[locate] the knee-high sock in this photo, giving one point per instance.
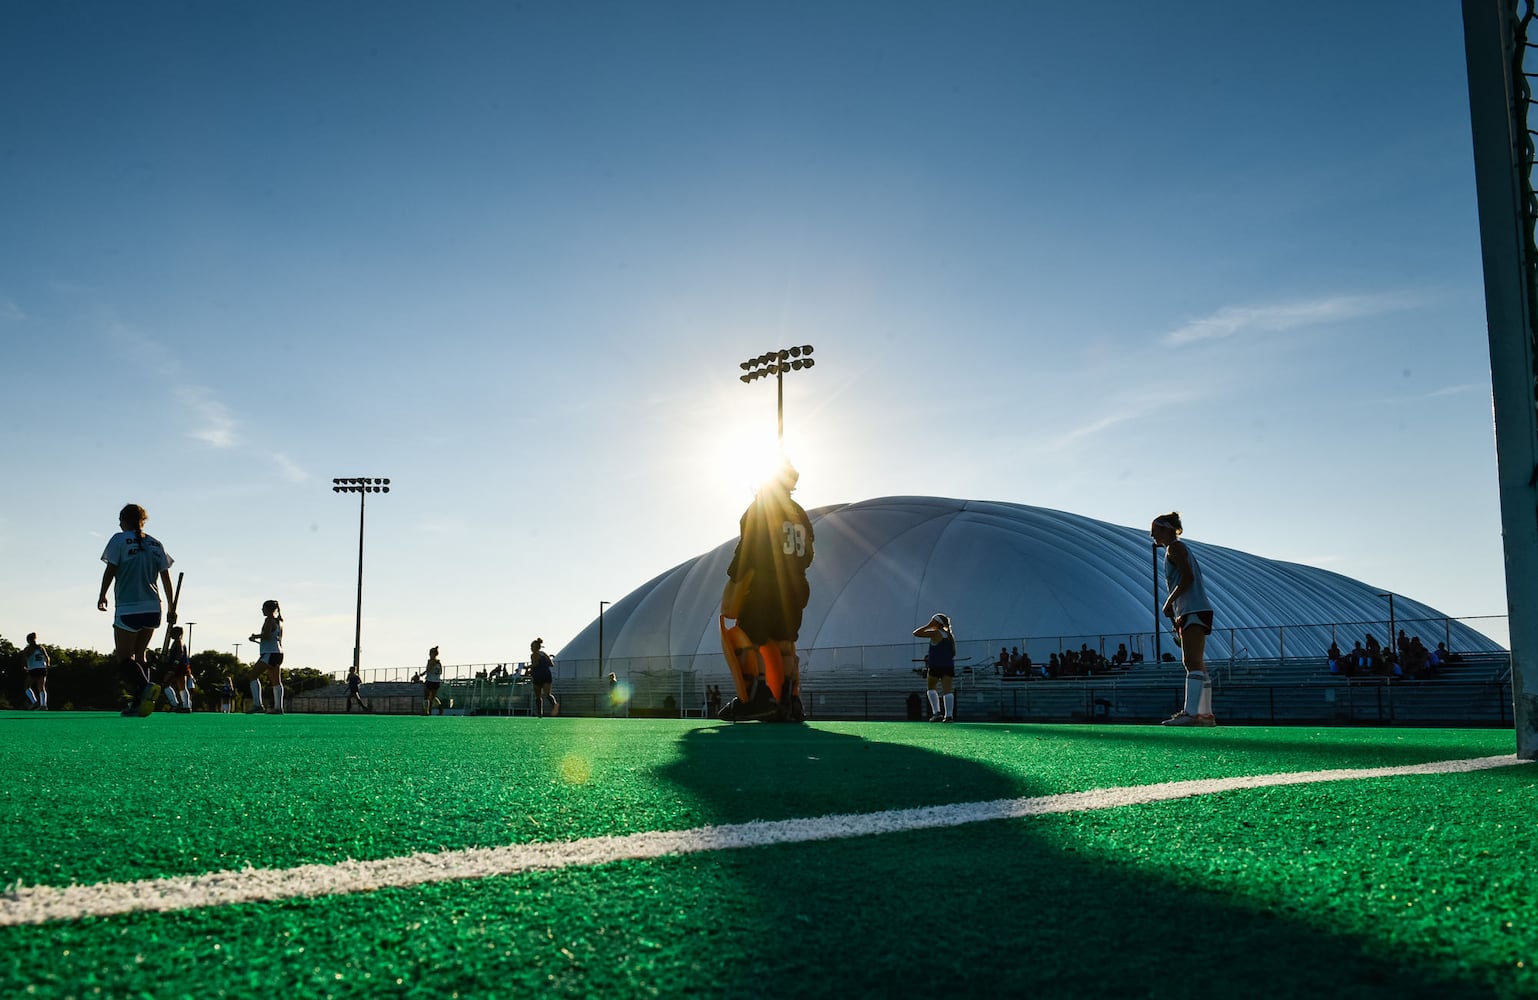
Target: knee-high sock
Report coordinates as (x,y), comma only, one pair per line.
(1205,703)
(277,696)
(1196,683)
(256,693)
(32,696)
(740,658)
(934,701)
(774,668)
(950,706)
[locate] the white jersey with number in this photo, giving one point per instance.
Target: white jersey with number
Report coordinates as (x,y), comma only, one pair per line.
(139,562)
(38,660)
(273,643)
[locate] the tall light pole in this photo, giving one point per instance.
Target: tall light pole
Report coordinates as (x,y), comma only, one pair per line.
(1158,625)
(189,639)
(777,363)
(237,652)
(600,638)
(363,487)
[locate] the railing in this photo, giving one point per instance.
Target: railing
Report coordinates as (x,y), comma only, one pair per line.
(1228,648)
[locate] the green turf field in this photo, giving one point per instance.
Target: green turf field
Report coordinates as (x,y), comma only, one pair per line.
(1403,886)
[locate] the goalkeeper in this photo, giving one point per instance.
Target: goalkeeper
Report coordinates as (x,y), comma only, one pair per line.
(766,592)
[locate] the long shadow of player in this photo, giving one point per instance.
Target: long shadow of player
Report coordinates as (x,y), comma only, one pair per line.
(1003,907)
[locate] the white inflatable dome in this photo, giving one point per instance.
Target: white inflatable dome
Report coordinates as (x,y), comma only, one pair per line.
(1005,573)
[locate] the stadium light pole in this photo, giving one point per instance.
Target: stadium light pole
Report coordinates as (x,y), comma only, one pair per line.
(601,605)
(189,639)
(237,652)
(363,487)
(777,363)
(1158,625)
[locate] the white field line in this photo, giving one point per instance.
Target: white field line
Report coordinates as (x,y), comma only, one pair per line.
(40,904)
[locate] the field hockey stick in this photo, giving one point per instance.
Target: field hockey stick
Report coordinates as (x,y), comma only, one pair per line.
(176,594)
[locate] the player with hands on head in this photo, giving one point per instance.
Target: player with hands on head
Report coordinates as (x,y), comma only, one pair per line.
(940,666)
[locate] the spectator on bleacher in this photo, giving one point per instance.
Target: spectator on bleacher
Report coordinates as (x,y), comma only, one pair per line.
(1374,653)
(1003,665)
(1119,658)
(497,672)
(1054,666)
(712,700)
(1041,669)
(1444,655)
(1332,656)
(1022,662)
(1417,663)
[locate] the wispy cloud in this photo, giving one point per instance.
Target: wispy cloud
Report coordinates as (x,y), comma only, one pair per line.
(288,468)
(212,423)
(10,312)
(1231,321)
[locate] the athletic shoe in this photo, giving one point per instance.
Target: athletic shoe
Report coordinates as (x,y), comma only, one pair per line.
(797,713)
(147,700)
(1206,721)
(730,711)
(1182,719)
(949,718)
(937,717)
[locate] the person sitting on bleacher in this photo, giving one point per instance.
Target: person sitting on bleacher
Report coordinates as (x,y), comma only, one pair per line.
(1120,656)
(1002,664)
(1333,658)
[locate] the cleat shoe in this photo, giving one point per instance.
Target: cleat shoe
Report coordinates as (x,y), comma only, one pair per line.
(937,717)
(147,700)
(1181,719)
(1206,721)
(949,718)
(761,705)
(797,713)
(731,711)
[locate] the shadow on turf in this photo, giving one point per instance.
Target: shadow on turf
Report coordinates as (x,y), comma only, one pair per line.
(986,909)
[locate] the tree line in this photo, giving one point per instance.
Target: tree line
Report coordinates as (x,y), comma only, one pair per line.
(88,681)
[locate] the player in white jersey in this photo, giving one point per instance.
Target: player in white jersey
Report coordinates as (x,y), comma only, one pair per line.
(270,658)
(1190,611)
(135,562)
(36,658)
(432,680)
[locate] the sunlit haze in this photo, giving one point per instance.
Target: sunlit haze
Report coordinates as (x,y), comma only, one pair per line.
(1201,256)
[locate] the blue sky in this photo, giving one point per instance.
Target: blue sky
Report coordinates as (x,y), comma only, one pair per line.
(1215,258)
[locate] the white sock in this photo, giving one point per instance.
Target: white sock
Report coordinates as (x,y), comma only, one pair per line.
(950,706)
(45,697)
(934,701)
(1196,683)
(1205,704)
(256,693)
(32,696)
(277,696)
